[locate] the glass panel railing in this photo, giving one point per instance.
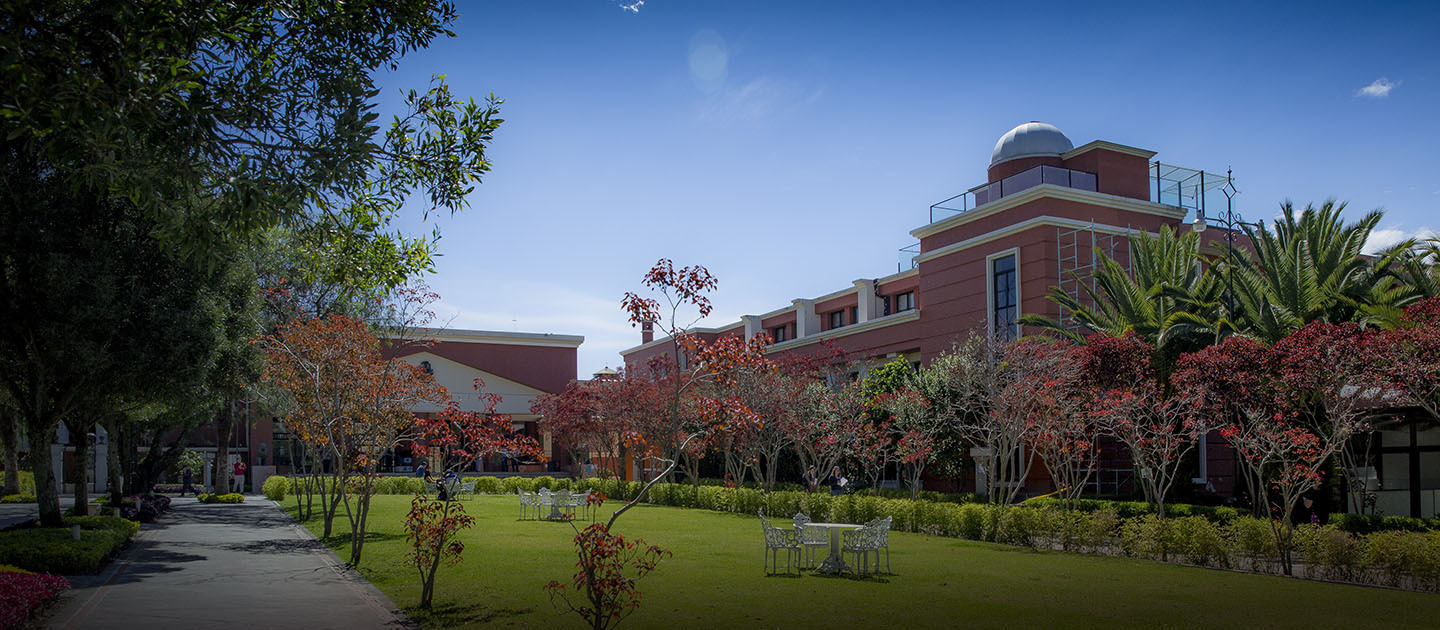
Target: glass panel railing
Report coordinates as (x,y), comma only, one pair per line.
(907,257)
(1028,178)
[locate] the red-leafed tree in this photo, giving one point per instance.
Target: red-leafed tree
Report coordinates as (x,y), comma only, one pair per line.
(698,378)
(1289,408)
(451,441)
(700,381)
(601,418)
(772,395)
(1411,355)
(915,426)
(1158,425)
(1065,432)
(828,425)
(873,451)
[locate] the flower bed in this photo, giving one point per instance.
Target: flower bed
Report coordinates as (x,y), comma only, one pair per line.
(21,592)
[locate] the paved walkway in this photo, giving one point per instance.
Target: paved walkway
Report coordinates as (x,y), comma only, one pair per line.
(225,566)
(12,514)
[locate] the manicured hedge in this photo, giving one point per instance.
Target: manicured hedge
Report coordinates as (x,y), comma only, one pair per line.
(233,497)
(18,498)
(53,550)
(1367,523)
(275,487)
(1135,509)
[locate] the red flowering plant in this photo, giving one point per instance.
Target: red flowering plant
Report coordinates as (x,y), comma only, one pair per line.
(915,424)
(22,592)
(1288,408)
(1158,425)
(451,441)
(1064,432)
(608,571)
(1410,355)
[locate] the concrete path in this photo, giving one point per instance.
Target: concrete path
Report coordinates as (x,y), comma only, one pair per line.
(225,566)
(12,514)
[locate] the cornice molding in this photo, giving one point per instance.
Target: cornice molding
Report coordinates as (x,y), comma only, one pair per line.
(1052,191)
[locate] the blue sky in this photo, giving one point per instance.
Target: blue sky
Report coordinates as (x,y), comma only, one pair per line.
(791,146)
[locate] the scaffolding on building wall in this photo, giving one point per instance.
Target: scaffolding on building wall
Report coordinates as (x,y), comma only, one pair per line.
(1078,252)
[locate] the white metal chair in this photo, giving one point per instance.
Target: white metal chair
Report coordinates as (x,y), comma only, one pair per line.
(810,538)
(777,540)
(466,487)
(861,543)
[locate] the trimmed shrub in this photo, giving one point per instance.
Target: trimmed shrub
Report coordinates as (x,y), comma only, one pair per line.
(1330,552)
(513,485)
(544,481)
(52,550)
(1023,527)
(275,487)
(1200,541)
(488,485)
(27,481)
(563,484)
(229,498)
(18,498)
(1367,523)
(1254,539)
(1148,536)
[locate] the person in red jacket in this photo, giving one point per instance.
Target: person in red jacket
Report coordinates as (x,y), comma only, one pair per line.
(238,481)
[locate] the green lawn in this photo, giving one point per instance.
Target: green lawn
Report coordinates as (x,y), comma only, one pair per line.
(716,580)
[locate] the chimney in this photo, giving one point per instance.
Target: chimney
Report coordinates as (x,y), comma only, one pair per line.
(647,332)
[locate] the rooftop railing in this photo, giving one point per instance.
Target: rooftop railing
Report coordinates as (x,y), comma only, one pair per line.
(1028,178)
(907,257)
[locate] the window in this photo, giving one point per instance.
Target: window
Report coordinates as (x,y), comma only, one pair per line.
(778,333)
(837,319)
(1004,299)
(854,314)
(905,301)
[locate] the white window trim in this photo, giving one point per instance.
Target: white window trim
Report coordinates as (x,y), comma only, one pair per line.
(990,288)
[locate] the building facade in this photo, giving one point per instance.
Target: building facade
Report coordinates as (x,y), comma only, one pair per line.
(992,253)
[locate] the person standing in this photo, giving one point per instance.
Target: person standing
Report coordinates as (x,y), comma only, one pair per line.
(837,482)
(239,476)
(187,478)
(811,479)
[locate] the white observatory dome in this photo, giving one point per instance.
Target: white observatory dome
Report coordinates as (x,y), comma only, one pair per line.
(1032,139)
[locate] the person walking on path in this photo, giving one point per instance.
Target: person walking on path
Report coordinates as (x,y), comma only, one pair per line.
(187,478)
(239,478)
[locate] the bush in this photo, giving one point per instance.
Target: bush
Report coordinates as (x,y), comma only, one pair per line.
(1367,523)
(1148,536)
(52,550)
(18,498)
(562,484)
(1200,540)
(488,485)
(27,481)
(230,498)
(543,481)
(514,485)
(1020,526)
(1331,552)
(275,487)
(21,593)
(1255,539)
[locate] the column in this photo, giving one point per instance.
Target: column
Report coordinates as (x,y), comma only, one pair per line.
(752,326)
(806,321)
(868,306)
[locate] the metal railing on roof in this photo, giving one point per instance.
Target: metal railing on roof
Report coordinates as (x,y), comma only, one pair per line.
(1028,178)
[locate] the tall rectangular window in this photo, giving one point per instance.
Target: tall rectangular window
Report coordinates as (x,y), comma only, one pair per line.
(778,333)
(837,319)
(854,314)
(905,301)
(1004,298)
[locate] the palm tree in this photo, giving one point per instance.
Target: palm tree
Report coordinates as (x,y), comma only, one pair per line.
(1311,268)
(1170,298)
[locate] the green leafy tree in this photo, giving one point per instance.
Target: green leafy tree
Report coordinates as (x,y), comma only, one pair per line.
(220,120)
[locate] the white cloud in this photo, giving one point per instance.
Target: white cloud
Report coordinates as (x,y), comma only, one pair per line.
(1386,237)
(633,7)
(759,99)
(1379,88)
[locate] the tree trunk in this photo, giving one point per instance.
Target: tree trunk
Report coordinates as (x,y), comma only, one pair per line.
(10,437)
(114,476)
(79,437)
(42,435)
(224,426)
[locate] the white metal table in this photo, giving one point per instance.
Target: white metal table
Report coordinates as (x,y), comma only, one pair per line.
(835,562)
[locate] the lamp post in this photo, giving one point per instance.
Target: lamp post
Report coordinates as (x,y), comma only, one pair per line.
(1229,221)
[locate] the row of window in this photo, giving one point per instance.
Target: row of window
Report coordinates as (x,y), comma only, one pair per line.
(903,302)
